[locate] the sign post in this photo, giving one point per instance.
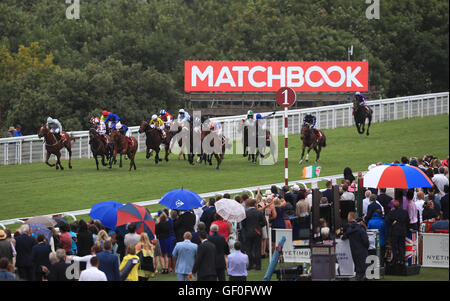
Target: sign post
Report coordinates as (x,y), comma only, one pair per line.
(286,97)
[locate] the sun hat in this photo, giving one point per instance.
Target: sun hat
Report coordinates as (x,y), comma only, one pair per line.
(3,234)
(295,188)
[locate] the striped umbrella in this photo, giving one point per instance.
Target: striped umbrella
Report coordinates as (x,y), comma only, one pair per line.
(401,176)
(139,215)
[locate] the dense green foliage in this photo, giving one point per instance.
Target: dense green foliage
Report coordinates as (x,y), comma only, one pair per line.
(127,55)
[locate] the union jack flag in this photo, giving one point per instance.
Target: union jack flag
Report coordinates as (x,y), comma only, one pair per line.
(411,247)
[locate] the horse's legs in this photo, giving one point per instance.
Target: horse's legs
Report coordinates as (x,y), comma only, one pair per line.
(307,154)
(301,157)
(147,155)
(96,161)
(368,125)
(218,160)
(103,160)
(156,156)
(58,162)
(317,150)
(69,150)
(46,160)
(166,157)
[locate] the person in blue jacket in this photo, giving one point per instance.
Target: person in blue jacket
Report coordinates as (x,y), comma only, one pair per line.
(110,119)
(377,222)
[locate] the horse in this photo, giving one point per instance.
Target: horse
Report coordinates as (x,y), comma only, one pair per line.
(53,146)
(208,155)
(153,141)
(360,114)
(99,147)
(256,149)
(308,136)
(122,146)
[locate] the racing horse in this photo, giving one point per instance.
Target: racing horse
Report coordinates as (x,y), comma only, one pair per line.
(121,145)
(251,133)
(99,147)
(360,114)
(207,155)
(308,136)
(153,141)
(54,146)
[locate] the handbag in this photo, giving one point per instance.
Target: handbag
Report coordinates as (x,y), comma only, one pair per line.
(146,261)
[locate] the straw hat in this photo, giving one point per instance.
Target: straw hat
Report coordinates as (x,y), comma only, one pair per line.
(2,234)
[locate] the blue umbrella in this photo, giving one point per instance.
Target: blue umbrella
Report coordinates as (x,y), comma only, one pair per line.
(106,212)
(181,199)
(39,229)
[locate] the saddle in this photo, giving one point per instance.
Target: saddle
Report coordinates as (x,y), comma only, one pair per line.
(318,133)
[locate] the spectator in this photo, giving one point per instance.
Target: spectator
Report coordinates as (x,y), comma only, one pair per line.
(348,174)
(109,263)
(40,257)
(147,267)
(429,212)
(94,231)
(205,260)
(420,203)
(185,253)
(93,273)
(412,210)
(347,196)
(440,180)
(222,250)
(277,221)
(444,203)
(55,242)
(252,231)
(237,264)
(373,207)
(6,248)
(4,273)
(397,220)
(359,244)
(433,195)
(73,236)
(377,222)
(119,244)
(303,208)
(162,230)
(131,238)
(65,238)
(208,214)
(224,227)
(196,235)
(184,223)
(131,256)
(84,239)
(24,246)
(18,131)
(101,238)
(10,132)
(86,259)
(57,270)
(328,193)
(440,226)
(275,193)
(366,202)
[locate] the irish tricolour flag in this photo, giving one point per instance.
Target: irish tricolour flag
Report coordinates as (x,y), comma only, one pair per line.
(312,171)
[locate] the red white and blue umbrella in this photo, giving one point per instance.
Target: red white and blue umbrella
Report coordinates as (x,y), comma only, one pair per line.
(401,176)
(139,215)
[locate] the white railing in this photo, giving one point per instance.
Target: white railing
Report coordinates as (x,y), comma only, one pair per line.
(28,149)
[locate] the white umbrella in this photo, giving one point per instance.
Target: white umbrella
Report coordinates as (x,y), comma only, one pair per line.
(230,210)
(44,220)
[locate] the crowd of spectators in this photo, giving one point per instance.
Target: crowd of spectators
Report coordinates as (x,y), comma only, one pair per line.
(200,243)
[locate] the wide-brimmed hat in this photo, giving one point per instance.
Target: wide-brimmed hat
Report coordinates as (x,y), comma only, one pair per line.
(3,234)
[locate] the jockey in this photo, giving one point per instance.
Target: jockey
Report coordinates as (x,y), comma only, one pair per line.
(159,124)
(249,118)
(56,128)
(360,99)
(123,129)
(183,116)
(111,119)
(100,127)
(166,118)
(215,127)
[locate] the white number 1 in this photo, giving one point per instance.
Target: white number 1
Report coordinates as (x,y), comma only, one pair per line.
(285,92)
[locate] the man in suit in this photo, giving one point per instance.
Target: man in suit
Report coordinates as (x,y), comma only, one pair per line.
(208,214)
(222,250)
(24,245)
(251,228)
(384,200)
(58,271)
(40,257)
(109,263)
(184,252)
(205,260)
(184,223)
(328,193)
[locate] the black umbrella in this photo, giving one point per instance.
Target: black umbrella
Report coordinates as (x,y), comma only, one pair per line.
(60,221)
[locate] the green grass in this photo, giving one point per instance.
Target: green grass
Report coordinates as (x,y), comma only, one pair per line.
(35,189)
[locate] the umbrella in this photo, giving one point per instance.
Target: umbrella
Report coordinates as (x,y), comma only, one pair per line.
(106,212)
(230,210)
(396,176)
(39,229)
(44,220)
(60,221)
(181,199)
(139,215)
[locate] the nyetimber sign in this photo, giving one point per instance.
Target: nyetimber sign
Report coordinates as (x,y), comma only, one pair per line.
(271,76)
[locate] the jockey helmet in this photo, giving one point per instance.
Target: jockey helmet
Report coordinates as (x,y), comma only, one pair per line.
(357,93)
(250,113)
(258,116)
(181,111)
(154,117)
(49,120)
(96,120)
(118,126)
(162,112)
(105,113)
